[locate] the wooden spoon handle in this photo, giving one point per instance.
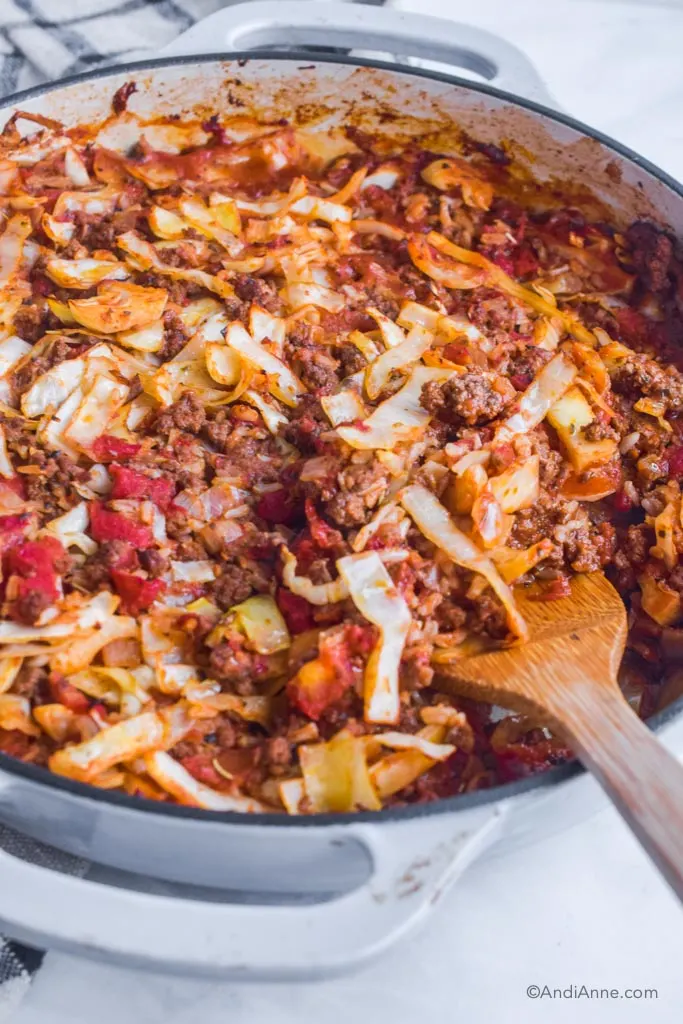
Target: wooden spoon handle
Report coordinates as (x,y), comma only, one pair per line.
(643,780)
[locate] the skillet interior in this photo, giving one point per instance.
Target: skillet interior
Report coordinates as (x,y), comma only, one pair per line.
(621,180)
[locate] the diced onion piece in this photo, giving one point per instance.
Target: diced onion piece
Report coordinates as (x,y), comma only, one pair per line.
(6,467)
(15,714)
(343,407)
(172,378)
(445,272)
(53,433)
(144,339)
(665,546)
(399,418)
(314,593)
(12,350)
(384,177)
(303,293)
(492,525)
(389,513)
(79,653)
(434,522)
(251,709)
(100,202)
(83,273)
(124,741)
(143,256)
(12,240)
(512,563)
(210,329)
(156,646)
(54,719)
(317,208)
(413,313)
(75,168)
(478,457)
(200,571)
(74,521)
(494,275)
(379,372)
(393,773)
(411,741)
(71,529)
(659,601)
(166,224)
(336,775)
(569,416)
(376,598)
(203,219)
(544,391)
(9,670)
(450,172)
(518,486)
(273,417)
(392,335)
(196,313)
(172,679)
(281,381)
(292,792)
(465,489)
(176,780)
(223,364)
(53,387)
(656,409)
(62,312)
(263,326)
(119,306)
(226,213)
(593,486)
(98,407)
(58,231)
(261,620)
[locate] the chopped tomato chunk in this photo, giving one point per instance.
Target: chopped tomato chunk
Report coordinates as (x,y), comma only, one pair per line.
(129,483)
(107,448)
(64,693)
(297,611)
(108,525)
(136,593)
(277,507)
(201,768)
(325,536)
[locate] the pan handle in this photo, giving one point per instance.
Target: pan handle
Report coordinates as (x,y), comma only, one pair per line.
(414,863)
(248,26)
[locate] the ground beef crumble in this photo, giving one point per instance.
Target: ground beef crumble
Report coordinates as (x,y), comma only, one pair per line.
(472,398)
(214,491)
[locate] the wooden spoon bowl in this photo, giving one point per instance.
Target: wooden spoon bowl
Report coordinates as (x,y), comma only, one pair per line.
(567,674)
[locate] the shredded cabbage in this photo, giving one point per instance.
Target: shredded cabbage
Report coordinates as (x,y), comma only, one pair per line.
(336,776)
(374,595)
(544,391)
(400,418)
(432,519)
(261,621)
(379,372)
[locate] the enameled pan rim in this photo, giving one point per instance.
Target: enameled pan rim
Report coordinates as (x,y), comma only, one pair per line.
(551,777)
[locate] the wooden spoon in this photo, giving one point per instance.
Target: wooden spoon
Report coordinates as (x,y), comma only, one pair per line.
(567,673)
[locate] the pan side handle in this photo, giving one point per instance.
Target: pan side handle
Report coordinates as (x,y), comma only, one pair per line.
(414,863)
(249,26)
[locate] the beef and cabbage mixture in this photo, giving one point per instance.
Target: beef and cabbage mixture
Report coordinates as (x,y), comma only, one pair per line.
(285,418)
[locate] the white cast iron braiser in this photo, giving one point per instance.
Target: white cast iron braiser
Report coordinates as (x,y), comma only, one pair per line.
(271,896)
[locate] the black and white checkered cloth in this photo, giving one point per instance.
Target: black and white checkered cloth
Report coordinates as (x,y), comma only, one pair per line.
(42,40)
(46,39)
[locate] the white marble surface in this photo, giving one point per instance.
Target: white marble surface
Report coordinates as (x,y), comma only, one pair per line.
(583,908)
